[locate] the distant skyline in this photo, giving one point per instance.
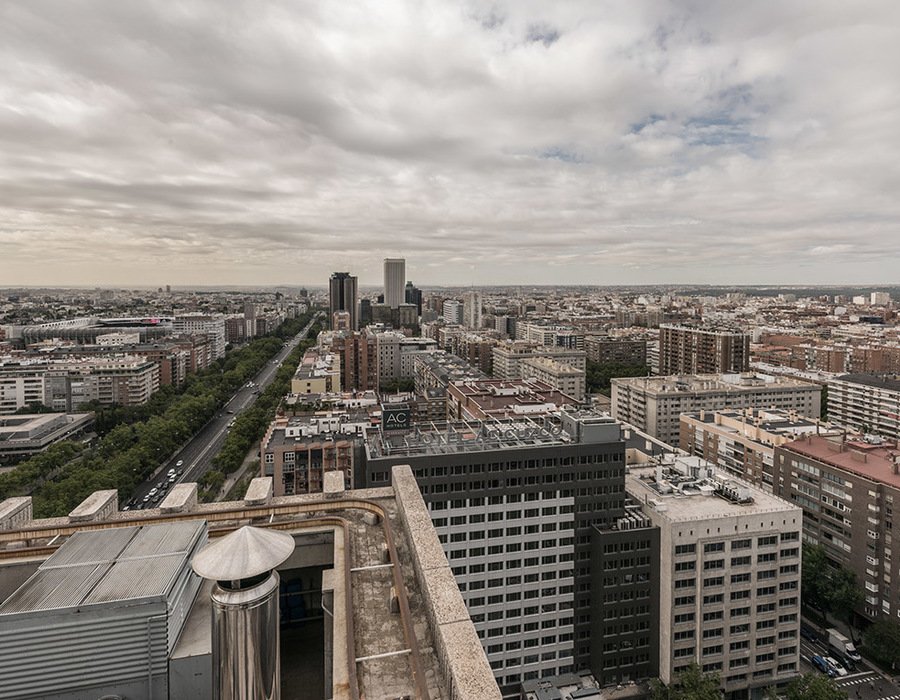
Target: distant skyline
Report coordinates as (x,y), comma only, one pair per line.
(503,143)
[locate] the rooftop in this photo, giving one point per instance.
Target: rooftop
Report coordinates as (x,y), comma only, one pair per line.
(682,488)
(765,426)
(878,381)
(873,458)
(711,383)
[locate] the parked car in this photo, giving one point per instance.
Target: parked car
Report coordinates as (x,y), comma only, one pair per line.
(820,663)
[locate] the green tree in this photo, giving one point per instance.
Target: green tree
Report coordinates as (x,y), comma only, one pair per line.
(829,587)
(814,577)
(598,375)
(690,684)
(814,686)
(882,642)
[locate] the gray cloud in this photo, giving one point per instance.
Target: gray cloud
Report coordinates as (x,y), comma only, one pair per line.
(649,141)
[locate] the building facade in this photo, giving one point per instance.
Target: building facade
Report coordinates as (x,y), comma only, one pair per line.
(866,403)
(342,296)
(702,350)
(655,404)
(394,281)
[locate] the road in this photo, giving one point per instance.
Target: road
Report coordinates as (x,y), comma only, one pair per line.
(863,683)
(196,456)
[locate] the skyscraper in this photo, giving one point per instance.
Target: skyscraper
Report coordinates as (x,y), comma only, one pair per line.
(394,281)
(342,297)
(472,310)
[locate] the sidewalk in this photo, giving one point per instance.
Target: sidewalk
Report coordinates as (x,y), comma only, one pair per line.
(236,476)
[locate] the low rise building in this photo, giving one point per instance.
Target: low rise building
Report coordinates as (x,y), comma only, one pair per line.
(439,369)
(317,373)
(507,357)
(23,435)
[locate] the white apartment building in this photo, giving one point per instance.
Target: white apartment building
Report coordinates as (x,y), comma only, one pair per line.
(866,403)
(654,404)
(397,354)
(20,385)
(198,324)
(560,376)
(452,311)
(472,310)
(729,573)
(507,358)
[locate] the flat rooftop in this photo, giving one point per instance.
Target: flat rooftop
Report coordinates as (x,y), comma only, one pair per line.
(712,383)
(770,423)
(464,436)
(878,381)
(690,488)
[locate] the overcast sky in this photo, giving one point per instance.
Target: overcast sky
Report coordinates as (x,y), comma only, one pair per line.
(255,142)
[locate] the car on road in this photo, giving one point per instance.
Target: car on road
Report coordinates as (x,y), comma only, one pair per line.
(229,411)
(153,491)
(820,663)
(839,670)
(809,633)
(146,498)
(179,462)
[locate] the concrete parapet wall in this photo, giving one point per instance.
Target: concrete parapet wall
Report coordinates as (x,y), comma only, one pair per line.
(462,658)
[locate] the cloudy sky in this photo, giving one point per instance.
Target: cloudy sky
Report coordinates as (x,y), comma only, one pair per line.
(626,141)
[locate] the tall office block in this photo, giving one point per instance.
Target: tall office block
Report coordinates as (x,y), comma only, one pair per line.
(472,310)
(342,296)
(394,281)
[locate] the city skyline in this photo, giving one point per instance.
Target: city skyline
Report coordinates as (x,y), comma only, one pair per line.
(647,143)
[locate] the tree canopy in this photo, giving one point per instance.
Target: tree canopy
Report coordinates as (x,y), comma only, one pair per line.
(814,686)
(882,642)
(690,684)
(828,587)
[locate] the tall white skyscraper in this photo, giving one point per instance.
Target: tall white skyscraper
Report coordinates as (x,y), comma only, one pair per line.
(394,282)
(472,310)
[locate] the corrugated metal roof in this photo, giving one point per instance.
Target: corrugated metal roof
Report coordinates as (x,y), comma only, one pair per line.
(50,589)
(87,546)
(164,538)
(130,579)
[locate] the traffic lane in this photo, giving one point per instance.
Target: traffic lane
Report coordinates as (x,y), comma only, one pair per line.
(863,683)
(196,456)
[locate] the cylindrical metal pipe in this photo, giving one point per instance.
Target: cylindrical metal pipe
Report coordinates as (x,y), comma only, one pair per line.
(245,638)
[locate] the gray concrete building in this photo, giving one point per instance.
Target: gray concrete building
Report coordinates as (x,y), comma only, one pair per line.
(868,403)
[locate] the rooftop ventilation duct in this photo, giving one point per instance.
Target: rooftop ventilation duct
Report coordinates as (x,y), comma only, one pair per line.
(245,631)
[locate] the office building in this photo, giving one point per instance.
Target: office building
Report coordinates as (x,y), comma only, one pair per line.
(702,350)
(394,281)
(867,403)
(413,295)
(848,487)
(729,594)
(655,404)
(471,317)
(342,296)
(514,504)
(742,442)
(130,618)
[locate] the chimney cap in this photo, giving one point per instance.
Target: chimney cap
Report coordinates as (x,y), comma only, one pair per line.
(243,554)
